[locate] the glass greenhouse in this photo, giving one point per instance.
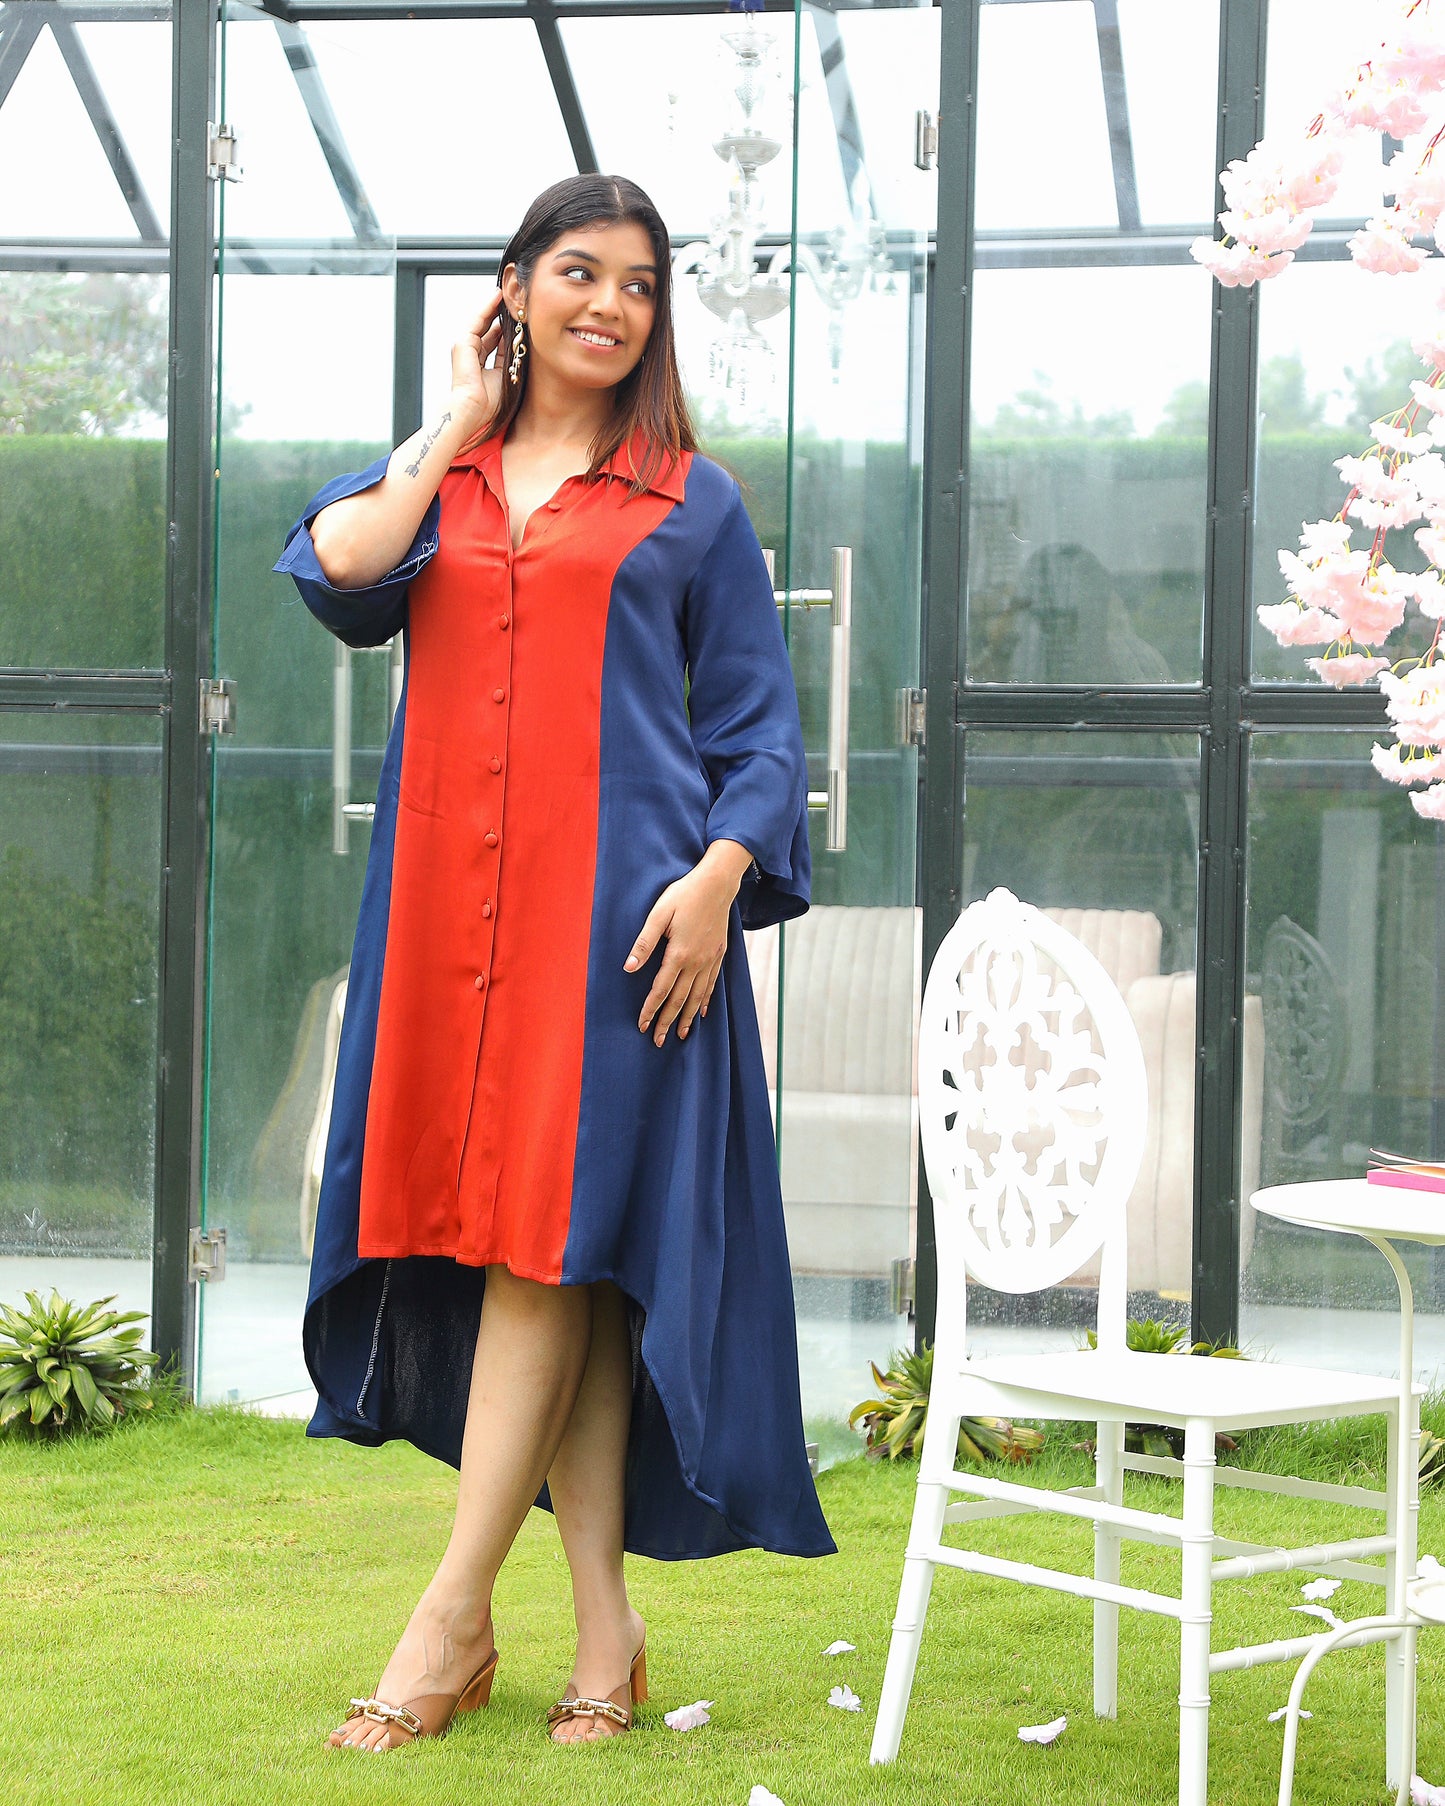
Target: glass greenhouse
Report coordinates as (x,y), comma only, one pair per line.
(1023,470)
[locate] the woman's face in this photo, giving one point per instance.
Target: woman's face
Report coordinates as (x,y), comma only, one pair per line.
(600,281)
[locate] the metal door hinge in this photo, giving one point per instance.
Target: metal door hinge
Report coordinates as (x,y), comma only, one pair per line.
(221,164)
(208,1254)
(901,1286)
(912,717)
(218,705)
(925,139)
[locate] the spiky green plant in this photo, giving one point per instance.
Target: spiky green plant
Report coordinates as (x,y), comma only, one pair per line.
(895,1421)
(62,1366)
(1145,1335)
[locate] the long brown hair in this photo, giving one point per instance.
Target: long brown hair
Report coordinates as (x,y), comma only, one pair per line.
(651,396)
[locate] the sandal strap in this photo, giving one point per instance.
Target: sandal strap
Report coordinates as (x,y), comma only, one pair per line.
(589,1708)
(380,1713)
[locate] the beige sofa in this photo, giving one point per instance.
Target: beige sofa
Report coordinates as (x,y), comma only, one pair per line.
(850,1087)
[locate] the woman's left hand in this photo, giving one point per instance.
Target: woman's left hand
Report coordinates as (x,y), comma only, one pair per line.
(693,914)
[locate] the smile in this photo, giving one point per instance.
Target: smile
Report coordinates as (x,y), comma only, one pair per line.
(603,341)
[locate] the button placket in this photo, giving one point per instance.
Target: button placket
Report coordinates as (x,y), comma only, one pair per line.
(492,836)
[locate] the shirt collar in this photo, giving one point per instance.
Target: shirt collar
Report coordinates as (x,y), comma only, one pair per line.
(669,481)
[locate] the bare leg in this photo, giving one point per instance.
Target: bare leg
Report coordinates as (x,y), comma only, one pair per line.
(585,1481)
(531,1348)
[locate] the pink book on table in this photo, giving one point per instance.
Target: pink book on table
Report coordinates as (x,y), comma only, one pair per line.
(1409,1181)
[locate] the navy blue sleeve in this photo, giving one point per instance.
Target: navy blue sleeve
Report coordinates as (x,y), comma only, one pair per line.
(743,711)
(358,617)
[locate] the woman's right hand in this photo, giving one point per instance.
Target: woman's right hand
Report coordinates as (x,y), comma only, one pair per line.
(473,383)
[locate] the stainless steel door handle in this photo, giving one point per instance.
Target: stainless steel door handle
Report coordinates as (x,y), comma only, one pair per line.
(840,598)
(343,810)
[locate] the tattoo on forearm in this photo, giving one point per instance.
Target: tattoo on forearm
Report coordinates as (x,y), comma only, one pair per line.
(427,444)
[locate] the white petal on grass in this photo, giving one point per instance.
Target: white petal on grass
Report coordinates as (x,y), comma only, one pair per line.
(1322,1612)
(1042,1733)
(1429,1569)
(687,1718)
(845,1699)
(839,1648)
(1275,1717)
(1323,1588)
(761,1797)
(1423,1794)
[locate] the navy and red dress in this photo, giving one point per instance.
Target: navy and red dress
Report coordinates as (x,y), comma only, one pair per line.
(580,719)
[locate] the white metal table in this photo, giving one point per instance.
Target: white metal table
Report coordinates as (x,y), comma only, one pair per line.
(1381,1215)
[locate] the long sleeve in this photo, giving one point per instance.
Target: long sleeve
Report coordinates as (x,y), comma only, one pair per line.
(743,712)
(358,617)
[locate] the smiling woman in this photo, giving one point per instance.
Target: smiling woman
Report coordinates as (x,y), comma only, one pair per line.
(550,1245)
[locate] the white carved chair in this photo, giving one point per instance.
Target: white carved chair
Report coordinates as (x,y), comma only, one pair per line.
(1032,1116)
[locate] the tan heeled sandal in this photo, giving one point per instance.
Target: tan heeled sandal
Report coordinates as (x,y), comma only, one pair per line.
(422,1716)
(616,1710)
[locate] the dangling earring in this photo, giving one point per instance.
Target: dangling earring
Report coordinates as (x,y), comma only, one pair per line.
(519,351)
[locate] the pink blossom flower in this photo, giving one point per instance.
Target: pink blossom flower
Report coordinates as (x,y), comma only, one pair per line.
(1429,395)
(1416,705)
(1414,53)
(1372,606)
(1235,266)
(1431,541)
(1273,229)
(1385,514)
(1401,765)
(1430,594)
(1420,186)
(1430,803)
(1348,669)
(1292,625)
(1380,106)
(1383,245)
(1398,438)
(1310,172)
(1431,350)
(1371,478)
(1426,475)
(1320,536)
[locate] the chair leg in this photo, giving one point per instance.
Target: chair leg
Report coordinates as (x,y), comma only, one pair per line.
(929,1503)
(1402,1470)
(1109,1476)
(1197,1552)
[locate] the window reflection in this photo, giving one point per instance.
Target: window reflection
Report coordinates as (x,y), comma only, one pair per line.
(1344,935)
(1101,829)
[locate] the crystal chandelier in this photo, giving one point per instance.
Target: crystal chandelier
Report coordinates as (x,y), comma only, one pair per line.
(741,362)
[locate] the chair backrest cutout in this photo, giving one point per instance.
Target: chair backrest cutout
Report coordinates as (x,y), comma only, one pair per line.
(1032,1099)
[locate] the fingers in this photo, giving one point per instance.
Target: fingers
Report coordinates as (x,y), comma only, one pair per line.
(711,981)
(692,1003)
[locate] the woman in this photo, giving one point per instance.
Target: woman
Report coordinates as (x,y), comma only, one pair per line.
(549,1244)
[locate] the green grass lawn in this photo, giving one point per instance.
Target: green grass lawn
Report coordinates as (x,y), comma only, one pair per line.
(189,1604)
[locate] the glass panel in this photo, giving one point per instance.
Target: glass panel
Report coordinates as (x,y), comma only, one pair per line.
(1345,937)
(444,127)
(82,413)
(1103,828)
(1089,380)
(1086,539)
(850,966)
(1313,409)
(287,866)
(69,189)
(1022,180)
(81,800)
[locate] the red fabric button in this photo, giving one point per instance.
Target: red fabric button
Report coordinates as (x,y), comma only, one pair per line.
(487,907)
(490,837)
(481,980)
(496,763)
(504,621)
(498,695)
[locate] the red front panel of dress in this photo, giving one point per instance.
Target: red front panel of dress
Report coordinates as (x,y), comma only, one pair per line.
(473,1105)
